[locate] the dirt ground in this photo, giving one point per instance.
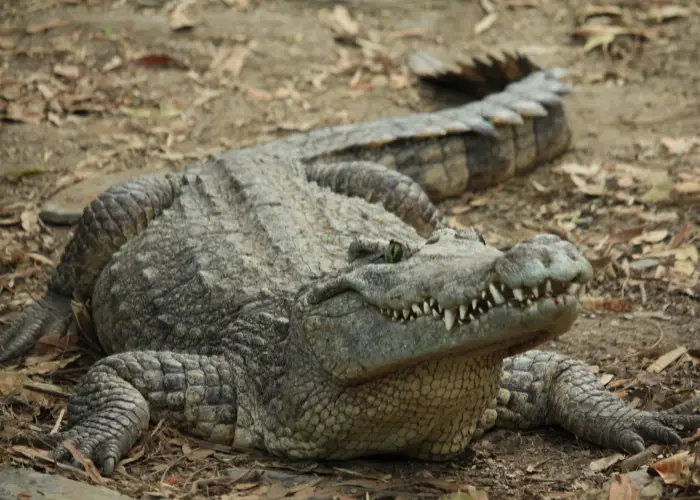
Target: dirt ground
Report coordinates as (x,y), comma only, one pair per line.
(89,88)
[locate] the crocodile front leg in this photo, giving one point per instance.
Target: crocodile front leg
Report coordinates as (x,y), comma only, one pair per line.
(116,216)
(544,388)
(113,402)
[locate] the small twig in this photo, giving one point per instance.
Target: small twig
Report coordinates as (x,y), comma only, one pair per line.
(55,427)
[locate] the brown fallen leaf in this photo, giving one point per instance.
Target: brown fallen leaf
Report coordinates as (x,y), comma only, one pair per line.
(485,23)
(340,21)
(17,112)
(664,360)
(67,71)
(622,488)
(178,19)
(606,462)
(230,59)
(159,61)
(606,304)
(679,145)
(32,29)
(257,94)
(673,469)
(665,13)
(6,43)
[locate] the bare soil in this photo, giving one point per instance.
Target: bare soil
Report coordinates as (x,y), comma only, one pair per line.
(89,88)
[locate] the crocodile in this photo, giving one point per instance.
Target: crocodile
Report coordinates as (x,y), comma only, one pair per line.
(306,297)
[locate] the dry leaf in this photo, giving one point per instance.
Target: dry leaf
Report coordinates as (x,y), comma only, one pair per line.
(341,22)
(67,71)
(622,488)
(54,23)
(664,360)
(605,463)
(667,12)
(230,60)
(679,145)
(673,469)
(257,95)
(604,304)
(6,43)
(485,23)
(179,20)
(30,222)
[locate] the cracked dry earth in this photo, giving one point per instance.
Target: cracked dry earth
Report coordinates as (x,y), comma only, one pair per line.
(95,88)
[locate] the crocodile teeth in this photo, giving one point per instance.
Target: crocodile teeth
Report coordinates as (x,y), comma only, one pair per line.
(432,302)
(573,288)
(426,307)
(462,312)
(449,319)
(518,294)
(548,287)
(471,317)
(483,294)
(440,308)
(474,304)
(498,298)
(436,314)
(535,292)
(417,310)
(406,313)
(396,314)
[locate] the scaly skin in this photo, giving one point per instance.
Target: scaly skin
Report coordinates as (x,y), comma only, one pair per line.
(301,297)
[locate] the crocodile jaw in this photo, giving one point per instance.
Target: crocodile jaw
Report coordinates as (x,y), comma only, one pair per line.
(366,323)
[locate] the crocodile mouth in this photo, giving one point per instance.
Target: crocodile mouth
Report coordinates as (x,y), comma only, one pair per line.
(494,297)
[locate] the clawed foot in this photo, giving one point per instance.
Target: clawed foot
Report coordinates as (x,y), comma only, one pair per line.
(633,432)
(103,445)
(50,314)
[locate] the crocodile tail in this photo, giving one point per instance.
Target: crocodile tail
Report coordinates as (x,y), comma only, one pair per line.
(513,121)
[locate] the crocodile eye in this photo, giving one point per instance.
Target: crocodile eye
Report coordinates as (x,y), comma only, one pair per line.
(394,252)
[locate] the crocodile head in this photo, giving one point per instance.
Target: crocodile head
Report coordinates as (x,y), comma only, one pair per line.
(399,304)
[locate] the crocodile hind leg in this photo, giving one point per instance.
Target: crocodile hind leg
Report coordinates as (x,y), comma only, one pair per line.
(116,216)
(545,388)
(374,182)
(112,404)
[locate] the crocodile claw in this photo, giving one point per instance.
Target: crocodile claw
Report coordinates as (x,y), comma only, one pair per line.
(657,427)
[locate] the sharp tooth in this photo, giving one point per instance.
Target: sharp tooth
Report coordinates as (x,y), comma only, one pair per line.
(416,309)
(481,311)
(396,314)
(518,294)
(503,287)
(432,302)
(528,302)
(498,298)
(471,317)
(483,294)
(426,307)
(462,312)
(535,292)
(449,319)
(490,304)
(474,304)
(548,287)
(436,314)
(573,288)
(440,308)
(406,313)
